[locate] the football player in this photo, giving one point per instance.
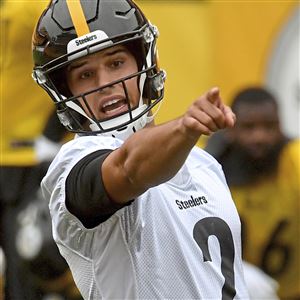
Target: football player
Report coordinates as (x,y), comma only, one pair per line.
(137,210)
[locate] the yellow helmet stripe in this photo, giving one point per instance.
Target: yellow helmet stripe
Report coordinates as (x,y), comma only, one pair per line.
(78,17)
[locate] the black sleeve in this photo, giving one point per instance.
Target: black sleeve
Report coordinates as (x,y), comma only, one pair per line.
(86,197)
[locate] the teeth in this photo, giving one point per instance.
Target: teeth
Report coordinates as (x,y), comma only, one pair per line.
(110,102)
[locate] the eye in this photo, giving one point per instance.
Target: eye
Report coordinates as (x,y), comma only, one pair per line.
(86,74)
(117,63)
(272,125)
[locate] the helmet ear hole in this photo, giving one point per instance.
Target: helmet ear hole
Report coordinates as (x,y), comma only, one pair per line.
(154,85)
(149,92)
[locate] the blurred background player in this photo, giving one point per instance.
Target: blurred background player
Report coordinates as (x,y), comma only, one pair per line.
(30,135)
(261,165)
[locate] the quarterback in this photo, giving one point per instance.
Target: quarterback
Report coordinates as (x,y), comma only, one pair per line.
(114,190)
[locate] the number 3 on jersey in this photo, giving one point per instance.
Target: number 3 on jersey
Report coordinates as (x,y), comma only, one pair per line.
(203,229)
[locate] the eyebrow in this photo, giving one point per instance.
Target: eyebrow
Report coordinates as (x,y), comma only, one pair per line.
(75,65)
(110,52)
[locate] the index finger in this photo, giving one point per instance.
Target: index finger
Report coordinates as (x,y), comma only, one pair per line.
(213,95)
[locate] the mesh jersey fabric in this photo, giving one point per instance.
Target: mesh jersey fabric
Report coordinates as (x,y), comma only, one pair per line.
(178,240)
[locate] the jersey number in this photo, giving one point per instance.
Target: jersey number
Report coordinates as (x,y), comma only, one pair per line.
(276,247)
(274,251)
(203,229)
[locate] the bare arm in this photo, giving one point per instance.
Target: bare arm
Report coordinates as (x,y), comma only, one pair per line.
(153,155)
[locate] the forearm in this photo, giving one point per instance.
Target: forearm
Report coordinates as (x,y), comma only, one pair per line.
(148,158)
(157,153)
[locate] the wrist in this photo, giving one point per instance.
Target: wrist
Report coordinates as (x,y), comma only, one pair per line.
(187,129)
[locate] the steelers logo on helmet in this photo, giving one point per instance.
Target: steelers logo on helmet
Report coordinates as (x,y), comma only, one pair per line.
(69,31)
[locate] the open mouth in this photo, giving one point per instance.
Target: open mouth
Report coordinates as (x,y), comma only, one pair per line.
(114,107)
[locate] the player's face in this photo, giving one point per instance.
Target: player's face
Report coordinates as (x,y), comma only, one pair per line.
(102,68)
(257,129)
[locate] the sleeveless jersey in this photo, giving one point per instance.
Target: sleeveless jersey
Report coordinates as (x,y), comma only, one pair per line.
(270,211)
(178,240)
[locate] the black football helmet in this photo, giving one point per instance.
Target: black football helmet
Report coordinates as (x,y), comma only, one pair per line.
(71,29)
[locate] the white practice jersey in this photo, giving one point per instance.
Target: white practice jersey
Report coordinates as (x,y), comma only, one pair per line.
(178,240)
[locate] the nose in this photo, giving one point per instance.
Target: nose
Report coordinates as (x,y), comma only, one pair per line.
(103,80)
(259,135)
